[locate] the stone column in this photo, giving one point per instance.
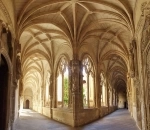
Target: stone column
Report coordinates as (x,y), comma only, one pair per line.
(117,99)
(54,90)
(51,94)
(18,72)
(88,90)
(98,91)
(20,102)
(114,104)
(138,104)
(70,90)
(129,92)
(111,97)
(42,103)
(16,76)
(107,94)
(100,85)
(62,89)
(76,88)
(14,86)
(131,59)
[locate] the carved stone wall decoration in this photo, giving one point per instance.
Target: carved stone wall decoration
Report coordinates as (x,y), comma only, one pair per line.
(132,59)
(18,67)
(75,76)
(146,33)
(143,7)
(4,10)
(76,85)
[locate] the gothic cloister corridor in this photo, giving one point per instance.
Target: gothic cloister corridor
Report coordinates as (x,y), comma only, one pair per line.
(118,120)
(75,64)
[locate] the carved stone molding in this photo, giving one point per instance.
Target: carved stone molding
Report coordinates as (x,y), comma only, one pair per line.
(144,25)
(3,8)
(75,76)
(143,6)
(132,58)
(18,67)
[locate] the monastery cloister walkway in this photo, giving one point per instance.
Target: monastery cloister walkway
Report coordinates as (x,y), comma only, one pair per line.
(118,120)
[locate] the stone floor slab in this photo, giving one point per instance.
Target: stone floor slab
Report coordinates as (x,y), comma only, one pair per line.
(118,120)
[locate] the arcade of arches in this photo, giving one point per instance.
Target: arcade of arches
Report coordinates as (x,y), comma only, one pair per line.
(74,59)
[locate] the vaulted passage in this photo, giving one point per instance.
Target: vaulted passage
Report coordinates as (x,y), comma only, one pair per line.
(75,62)
(118,120)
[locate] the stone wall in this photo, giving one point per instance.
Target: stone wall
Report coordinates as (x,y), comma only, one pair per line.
(86,116)
(105,110)
(46,111)
(112,109)
(83,116)
(63,115)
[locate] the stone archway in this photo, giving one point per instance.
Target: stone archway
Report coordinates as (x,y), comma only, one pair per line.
(28,98)
(3,93)
(27,104)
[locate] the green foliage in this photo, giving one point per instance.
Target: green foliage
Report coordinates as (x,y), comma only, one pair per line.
(66,91)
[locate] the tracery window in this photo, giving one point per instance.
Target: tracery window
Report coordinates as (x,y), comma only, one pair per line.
(88,85)
(62,83)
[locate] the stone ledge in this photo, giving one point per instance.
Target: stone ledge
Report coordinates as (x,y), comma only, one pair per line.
(83,116)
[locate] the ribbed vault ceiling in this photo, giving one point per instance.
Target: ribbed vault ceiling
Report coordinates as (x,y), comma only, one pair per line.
(47,28)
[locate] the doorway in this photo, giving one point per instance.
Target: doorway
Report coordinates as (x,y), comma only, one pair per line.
(3,93)
(27,104)
(125,104)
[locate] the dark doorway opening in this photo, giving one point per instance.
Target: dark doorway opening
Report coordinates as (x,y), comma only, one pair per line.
(125,104)
(3,93)
(27,104)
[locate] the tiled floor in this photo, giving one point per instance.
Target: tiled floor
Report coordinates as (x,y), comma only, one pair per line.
(119,120)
